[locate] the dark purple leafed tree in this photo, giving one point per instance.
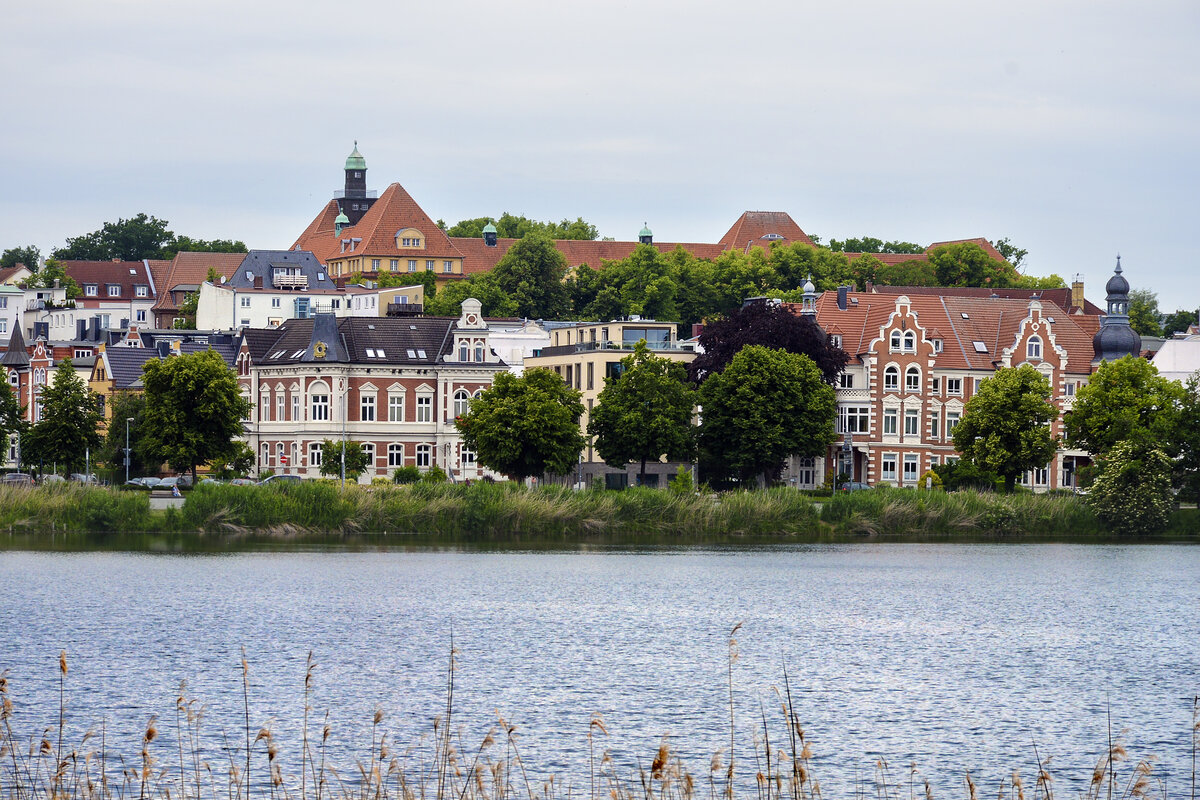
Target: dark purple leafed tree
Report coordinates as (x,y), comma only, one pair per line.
(769,325)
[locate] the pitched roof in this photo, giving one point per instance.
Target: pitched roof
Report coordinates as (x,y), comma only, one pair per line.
(16,355)
(961,320)
(125,363)
(394,211)
(261,263)
(8,273)
(1059,297)
(752,226)
(318,238)
(979,240)
(126,274)
(392,340)
(190,269)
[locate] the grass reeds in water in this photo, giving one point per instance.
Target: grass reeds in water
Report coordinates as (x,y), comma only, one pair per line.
(33,768)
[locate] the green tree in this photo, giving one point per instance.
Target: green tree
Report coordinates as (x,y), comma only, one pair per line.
(194,410)
(1125,400)
(1144,316)
(869,244)
(510,226)
(906,273)
(968,264)
(1051,281)
(794,263)
(141,236)
(1179,321)
(1005,425)
(12,414)
(238,465)
(531,274)
(1132,490)
(525,426)
(765,406)
(331,459)
(28,255)
(644,413)
(50,272)
(1188,437)
(127,405)
(68,432)
(1012,254)
(186,244)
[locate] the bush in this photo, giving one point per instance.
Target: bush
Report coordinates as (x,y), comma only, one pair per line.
(409,474)
(1131,493)
(435,474)
(682,482)
(932,478)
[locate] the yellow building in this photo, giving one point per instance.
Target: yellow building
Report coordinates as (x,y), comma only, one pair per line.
(584,354)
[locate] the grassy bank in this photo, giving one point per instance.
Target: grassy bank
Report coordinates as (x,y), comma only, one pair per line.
(482,512)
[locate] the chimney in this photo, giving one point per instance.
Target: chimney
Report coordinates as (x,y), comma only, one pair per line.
(81,329)
(843,293)
(1077,300)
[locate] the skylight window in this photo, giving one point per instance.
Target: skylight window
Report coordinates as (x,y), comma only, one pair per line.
(412,327)
(1050,320)
(980,347)
(421,354)
(370,353)
(412,353)
(297,354)
(965,315)
(380,354)
(278,353)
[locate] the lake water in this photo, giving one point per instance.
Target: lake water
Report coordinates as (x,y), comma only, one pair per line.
(953,657)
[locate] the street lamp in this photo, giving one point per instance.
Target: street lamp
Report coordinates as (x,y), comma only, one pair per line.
(127,421)
(848,456)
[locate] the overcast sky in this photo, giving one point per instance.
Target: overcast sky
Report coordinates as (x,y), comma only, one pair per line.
(1069,127)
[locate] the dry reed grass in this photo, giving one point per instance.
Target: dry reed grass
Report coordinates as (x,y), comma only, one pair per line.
(40,766)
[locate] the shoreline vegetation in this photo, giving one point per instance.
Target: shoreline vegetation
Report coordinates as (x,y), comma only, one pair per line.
(178,758)
(70,516)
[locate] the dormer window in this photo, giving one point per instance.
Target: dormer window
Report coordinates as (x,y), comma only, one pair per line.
(89,290)
(937,345)
(141,291)
(114,290)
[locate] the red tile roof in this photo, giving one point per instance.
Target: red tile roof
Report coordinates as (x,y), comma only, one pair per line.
(191,269)
(318,238)
(392,212)
(1060,297)
(993,321)
(126,274)
(752,226)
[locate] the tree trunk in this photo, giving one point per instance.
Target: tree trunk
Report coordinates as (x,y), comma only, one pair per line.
(642,474)
(1010,484)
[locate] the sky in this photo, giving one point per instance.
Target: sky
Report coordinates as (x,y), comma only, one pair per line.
(1068,127)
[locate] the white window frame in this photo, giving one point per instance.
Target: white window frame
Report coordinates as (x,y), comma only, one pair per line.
(886,472)
(912,378)
(462,402)
(366,407)
(954,386)
(395,455)
(891,378)
(891,421)
(912,422)
(1033,348)
(395,408)
(914,474)
(319,405)
(424,456)
(425,408)
(314,453)
(854,419)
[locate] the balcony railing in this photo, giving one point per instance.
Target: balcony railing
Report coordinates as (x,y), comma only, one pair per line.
(588,347)
(370,194)
(404,309)
(287,280)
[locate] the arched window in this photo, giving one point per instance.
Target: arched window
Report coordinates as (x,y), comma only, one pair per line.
(1034,348)
(395,455)
(314,454)
(891,378)
(479,350)
(912,379)
(266,456)
(462,402)
(895,340)
(464,351)
(424,455)
(910,342)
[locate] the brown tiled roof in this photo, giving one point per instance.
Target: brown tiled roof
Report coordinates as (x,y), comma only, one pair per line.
(318,238)
(191,269)
(752,226)
(979,240)
(159,269)
(1059,297)
(7,273)
(393,211)
(126,274)
(993,321)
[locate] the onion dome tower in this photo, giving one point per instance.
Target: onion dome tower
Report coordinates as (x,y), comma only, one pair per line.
(355,199)
(1116,339)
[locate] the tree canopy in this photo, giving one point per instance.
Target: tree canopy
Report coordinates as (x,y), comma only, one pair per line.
(525,426)
(531,276)
(1125,400)
(128,405)
(510,226)
(1012,254)
(1144,316)
(50,272)
(644,413)
(1132,490)
(1005,425)
(1179,321)
(141,236)
(331,459)
(67,433)
(770,325)
(194,409)
(12,416)
(28,255)
(766,405)
(869,244)
(968,264)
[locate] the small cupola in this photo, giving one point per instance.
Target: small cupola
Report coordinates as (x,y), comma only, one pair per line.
(489,235)
(355,160)
(645,235)
(341,221)
(808,302)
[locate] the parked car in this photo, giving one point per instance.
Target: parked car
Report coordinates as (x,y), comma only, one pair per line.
(854,486)
(52,478)
(79,477)
(241,482)
(277,479)
(16,479)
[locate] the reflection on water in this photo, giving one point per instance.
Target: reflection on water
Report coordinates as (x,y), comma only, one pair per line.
(953,656)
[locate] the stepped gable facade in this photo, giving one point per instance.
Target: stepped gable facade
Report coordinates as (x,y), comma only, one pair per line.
(915,361)
(393,384)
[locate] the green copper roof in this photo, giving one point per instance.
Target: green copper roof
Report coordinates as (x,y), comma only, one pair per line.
(341,219)
(355,159)
(645,231)
(489,228)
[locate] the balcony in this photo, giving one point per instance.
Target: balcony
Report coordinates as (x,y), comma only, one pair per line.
(589,347)
(289,280)
(370,194)
(405,309)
